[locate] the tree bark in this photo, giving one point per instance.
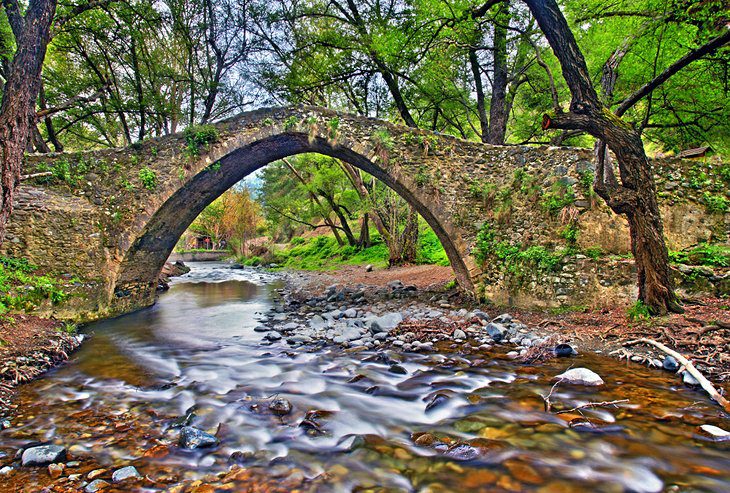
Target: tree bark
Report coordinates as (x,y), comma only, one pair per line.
(17,112)
(635,195)
(498,103)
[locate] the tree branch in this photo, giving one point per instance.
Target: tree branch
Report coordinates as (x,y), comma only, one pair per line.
(706,49)
(70,103)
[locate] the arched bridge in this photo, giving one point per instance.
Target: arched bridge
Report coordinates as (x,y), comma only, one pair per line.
(112,217)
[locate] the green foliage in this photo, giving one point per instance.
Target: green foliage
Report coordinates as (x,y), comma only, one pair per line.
(698,177)
(585,182)
(716,203)
(65,171)
(68,328)
(724,172)
(557,198)
(383,142)
(704,254)
(199,137)
(252,261)
(450,285)
(430,250)
(422,177)
(485,242)
(334,125)
(570,234)
(594,252)
(562,310)
(483,190)
(291,123)
(639,312)
(297,240)
(23,289)
(148,177)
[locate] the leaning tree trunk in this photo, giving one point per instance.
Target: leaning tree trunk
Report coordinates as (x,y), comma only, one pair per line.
(17,113)
(635,194)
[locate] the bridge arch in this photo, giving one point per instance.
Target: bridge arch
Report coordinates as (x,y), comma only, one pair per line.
(136,280)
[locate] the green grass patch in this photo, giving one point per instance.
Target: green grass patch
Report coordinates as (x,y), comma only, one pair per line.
(323,253)
(22,288)
(704,254)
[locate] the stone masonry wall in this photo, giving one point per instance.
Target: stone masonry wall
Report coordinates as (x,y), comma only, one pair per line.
(98,218)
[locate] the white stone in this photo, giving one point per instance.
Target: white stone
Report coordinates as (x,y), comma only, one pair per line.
(580,376)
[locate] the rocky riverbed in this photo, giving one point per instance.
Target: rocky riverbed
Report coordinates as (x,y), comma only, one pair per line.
(236,381)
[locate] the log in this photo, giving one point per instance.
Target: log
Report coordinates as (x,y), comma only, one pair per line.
(35,175)
(709,388)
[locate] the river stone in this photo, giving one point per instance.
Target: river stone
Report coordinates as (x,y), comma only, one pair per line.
(288,327)
(505,318)
(580,376)
(437,401)
(43,455)
(496,331)
(688,379)
(317,322)
(397,369)
(125,473)
(280,406)
(459,334)
(261,328)
(350,313)
(670,363)
(386,322)
(564,350)
(96,485)
(192,438)
(715,432)
(272,336)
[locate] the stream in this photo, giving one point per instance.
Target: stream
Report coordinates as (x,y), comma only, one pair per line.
(353,421)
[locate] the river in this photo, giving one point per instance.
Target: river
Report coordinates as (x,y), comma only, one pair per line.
(365,427)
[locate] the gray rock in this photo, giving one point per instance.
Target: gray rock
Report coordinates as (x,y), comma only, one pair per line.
(272,336)
(670,364)
(496,331)
(505,318)
(192,438)
(261,328)
(368,268)
(715,432)
(688,379)
(317,322)
(459,334)
(580,376)
(125,473)
(280,406)
(386,322)
(96,485)
(43,455)
(351,313)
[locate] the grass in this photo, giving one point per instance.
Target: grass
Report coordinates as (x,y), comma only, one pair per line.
(704,254)
(323,253)
(22,288)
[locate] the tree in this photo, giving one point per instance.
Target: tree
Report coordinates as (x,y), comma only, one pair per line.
(32,31)
(635,195)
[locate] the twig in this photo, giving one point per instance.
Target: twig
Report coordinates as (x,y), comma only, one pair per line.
(709,388)
(35,175)
(593,404)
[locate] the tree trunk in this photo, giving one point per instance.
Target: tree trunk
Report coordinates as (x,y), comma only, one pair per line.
(481,106)
(17,112)
(635,195)
(498,105)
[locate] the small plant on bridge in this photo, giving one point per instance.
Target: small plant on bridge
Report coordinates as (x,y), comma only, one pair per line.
(559,196)
(485,191)
(148,178)
(383,144)
(716,203)
(422,177)
(334,126)
(200,137)
(291,123)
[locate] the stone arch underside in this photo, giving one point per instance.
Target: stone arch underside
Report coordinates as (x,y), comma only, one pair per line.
(136,280)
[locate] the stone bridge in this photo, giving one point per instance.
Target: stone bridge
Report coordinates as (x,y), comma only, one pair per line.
(110,218)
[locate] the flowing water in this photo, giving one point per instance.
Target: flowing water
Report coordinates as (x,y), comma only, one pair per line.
(365,428)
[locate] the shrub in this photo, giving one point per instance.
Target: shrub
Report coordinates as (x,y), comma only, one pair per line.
(558,197)
(594,252)
(638,312)
(148,178)
(715,203)
(704,254)
(199,137)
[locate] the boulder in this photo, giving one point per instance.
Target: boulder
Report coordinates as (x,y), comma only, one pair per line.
(386,322)
(125,473)
(95,485)
(496,331)
(670,364)
(564,350)
(580,376)
(192,438)
(43,455)
(459,334)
